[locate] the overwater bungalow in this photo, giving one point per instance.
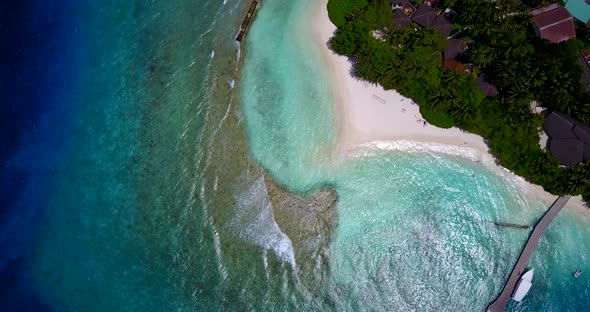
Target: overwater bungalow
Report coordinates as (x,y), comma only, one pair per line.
(553,23)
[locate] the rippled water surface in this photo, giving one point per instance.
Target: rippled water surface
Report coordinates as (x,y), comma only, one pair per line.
(142,184)
(415,229)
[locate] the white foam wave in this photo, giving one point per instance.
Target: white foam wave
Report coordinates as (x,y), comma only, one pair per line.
(220,124)
(255,222)
(205,32)
(475,155)
(217,245)
(376,147)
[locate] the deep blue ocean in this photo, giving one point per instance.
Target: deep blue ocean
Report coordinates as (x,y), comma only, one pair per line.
(40,40)
(135,141)
(103,105)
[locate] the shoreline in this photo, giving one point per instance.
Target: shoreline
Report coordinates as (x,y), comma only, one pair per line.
(369,118)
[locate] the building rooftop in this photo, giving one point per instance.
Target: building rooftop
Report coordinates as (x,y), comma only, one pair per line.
(485,86)
(454,48)
(553,23)
(569,139)
(580,9)
(400,19)
(582,131)
(432,3)
(559,126)
(398,3)
(452,64)
(424,15)
(584,61)
(442,25)
(568,152)
(544,9)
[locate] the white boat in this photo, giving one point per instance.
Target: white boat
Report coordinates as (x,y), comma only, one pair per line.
(578,272)
(523,286)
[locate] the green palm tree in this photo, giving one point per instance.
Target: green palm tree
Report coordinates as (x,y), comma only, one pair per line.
(460,109)
(454,79)
(576,180)
(438,97)
(584,112)
(483,56)
(429,37)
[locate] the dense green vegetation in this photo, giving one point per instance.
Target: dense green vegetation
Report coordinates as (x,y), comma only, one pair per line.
(523,67)
(337,10)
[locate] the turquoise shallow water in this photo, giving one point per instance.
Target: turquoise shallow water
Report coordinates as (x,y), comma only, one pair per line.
(155,205)
(415,230)
(125,225)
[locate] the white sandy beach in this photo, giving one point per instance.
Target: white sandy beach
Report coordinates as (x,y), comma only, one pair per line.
(370,117)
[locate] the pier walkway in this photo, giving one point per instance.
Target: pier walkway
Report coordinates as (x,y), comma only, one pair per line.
(247,21)
(529,248)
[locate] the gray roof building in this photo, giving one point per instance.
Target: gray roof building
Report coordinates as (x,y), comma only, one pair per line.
(424,15)
(569,139)
(400,19)
(442,25)
(569,152)
(454,48)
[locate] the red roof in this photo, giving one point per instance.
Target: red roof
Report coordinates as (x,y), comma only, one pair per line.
(449,64)
(556,25)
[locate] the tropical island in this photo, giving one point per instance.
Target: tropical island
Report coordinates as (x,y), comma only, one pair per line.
(484,67)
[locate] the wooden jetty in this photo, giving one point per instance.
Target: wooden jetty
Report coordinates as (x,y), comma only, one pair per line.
(529,248)
(247,21)
(512,225)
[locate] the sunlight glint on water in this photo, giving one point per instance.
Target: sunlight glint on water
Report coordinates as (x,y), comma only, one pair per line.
(415,229)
